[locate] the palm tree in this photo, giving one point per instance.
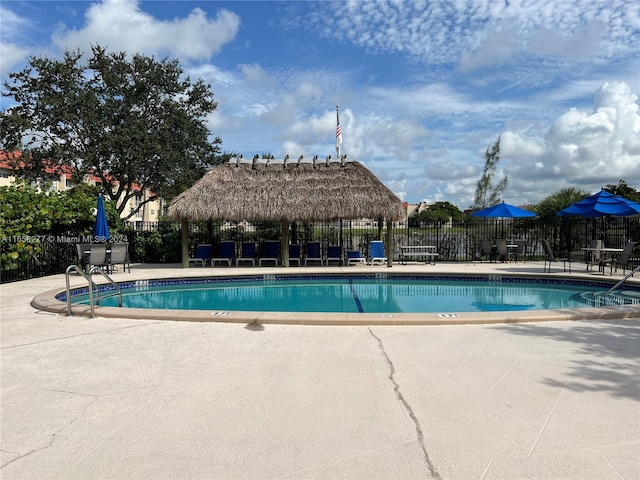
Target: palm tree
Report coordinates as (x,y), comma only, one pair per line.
(549,206)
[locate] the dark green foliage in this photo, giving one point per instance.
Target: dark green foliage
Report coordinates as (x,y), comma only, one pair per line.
(29,218)
(624,190)
(550,205)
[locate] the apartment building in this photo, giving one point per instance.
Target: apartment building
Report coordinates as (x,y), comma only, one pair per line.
(150,212)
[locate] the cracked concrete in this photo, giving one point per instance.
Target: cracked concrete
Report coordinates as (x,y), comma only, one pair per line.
(396,388)
(122,398)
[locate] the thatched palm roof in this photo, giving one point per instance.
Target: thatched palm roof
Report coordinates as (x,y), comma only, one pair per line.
(287,191)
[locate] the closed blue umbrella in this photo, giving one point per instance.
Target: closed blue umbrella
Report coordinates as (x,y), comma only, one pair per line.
(503,210)
(601,204)
(101,228)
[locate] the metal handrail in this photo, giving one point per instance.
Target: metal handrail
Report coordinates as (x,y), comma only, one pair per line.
(69,269)
(92,286)
(630,274)
(114,284)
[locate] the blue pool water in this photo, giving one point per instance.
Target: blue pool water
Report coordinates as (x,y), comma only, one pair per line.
(366,294)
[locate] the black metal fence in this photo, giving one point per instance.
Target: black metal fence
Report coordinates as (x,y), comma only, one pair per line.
(160,242)
(52,258)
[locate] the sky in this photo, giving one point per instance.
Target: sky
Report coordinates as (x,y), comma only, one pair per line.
(424,88)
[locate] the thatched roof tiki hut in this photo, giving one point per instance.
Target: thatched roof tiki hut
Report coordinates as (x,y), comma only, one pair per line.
(286,191)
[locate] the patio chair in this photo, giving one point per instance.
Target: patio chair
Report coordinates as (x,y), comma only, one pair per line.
(248,253)
(520,253)
(119,255)
(271,252)
(595,257)
(502,251)
(98,256)
(314,253)
(294,253)
(376,250)
(549,257)
(83,249)
(334,254)
(203,252)
(487,250)
(624,260)
(226,253)
(355,257)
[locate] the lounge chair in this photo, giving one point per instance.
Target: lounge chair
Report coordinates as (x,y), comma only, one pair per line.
(334,254)
(120,255)
(294,253)
(314,253)
(248,253)
(203,252)
(271,252)
(376,251)
(355,257)
(226,254)
(549,257)
(624,260)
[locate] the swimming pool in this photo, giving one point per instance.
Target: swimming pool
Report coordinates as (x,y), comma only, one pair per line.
(374,293)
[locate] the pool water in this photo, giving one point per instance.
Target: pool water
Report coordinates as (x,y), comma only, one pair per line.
(348,294)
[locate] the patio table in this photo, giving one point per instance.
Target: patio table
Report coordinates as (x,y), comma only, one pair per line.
(428,251)
(591,252)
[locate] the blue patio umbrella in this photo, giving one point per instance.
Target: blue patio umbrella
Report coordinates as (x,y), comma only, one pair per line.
(601,204)
(503,210)
(100,227)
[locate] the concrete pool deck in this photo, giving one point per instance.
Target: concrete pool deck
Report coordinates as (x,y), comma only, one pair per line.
(148,399)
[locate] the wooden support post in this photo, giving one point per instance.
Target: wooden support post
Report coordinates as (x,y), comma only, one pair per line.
(184,228)
(285,243)
(389,243)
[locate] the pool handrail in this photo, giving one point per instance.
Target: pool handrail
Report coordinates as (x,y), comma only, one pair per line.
(69,269)
(92,286)
(113,284)
(629,275)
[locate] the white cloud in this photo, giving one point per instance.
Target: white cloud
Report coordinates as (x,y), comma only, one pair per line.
(482,32)
(514,145)
(582,149)
(212,75)
(13,30)
(256,76)
(11,55)
(495,49)
(595,144)
(120,25)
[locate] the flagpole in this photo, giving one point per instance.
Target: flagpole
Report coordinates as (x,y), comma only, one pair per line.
(338,133)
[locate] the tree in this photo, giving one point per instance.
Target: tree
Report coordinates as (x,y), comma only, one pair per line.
(488,194)
(437,214)
(135,124)
(624,190)
(551,204)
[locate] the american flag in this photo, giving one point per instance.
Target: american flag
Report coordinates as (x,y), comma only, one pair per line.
(338,132)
